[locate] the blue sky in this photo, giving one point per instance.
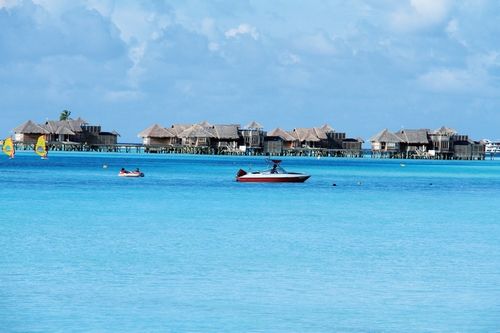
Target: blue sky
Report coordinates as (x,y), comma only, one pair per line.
(360,66)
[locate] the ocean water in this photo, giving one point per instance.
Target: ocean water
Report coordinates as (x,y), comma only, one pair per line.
(391,248)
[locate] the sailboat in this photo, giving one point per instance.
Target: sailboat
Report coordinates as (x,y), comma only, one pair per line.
(41,147)
(8,148)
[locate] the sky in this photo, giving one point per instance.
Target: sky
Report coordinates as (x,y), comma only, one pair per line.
(360,66)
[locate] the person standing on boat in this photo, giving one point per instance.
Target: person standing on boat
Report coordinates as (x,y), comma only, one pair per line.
(275,168)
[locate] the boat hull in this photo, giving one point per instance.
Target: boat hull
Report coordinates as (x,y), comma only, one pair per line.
(131,174)
(286,178)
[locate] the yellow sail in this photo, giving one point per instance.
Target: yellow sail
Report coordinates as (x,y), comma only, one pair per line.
(41,147)
(8,147)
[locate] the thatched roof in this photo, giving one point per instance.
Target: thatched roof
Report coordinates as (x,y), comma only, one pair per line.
(179,128)
(30,127)
(64,130)
(196,131)
(254,125)
(319,132)
(306,134)
(445,131)
(205,124)
(413,136)
(386,136)
(327,128)
(74,125)
(226,131)
(156,131)
(278,132)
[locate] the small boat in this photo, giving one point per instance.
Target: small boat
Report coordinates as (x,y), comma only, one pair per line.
(276,174)
(132,174)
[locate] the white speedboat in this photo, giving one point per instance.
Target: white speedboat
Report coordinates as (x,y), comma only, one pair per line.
(276,174)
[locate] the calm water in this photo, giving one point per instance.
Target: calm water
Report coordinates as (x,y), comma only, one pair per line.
(187,249)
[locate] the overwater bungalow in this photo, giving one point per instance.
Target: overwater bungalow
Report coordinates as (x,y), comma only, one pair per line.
(227,138)
(157,135)
(252,138)
(413,142)
(277,141)
(28,132)
(61,134)
(385,144)
(443,143)
(196,136)
(308,137)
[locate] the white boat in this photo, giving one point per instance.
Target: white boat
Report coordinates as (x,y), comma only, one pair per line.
(492,146)
(276,174)
(131,174)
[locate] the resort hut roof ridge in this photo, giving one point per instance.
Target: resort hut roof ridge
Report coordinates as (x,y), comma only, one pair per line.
(196,131)
(319,132)
(413,135)
(30,127)
(278,132)
(327,128)
(254,125)
(64,130)
(386,136)
(156,131)
(227,131)
(54,126)
(179,128)
(205,124)
(305,134)
(443,130)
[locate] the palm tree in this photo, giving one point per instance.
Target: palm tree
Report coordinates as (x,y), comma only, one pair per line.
(65,115)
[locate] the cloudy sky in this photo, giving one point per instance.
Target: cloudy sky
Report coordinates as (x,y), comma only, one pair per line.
(358,65)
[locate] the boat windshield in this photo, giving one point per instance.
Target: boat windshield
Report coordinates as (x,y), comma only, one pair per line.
(276,168)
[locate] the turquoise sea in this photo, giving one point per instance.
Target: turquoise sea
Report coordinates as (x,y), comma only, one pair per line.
(391,248)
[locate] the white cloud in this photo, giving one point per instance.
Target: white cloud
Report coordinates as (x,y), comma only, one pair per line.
(213,46)
(316,44)
(445,79)
(289,58)
(8,3)
(421,14)
(242,29)
(453,31)
(122,95)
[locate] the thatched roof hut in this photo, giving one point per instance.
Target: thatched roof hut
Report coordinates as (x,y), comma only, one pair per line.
(278,132)
(196,131)
(327,128)
(307,134)
(254,125)
(226,132)
(386,136)
(30,127)
(156,131)
(411,136)
(443,130)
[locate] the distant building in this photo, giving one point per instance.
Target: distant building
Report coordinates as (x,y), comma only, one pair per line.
(252,136)
(277,141)
(219,138)
(323,138)
(76,131)
(443,143)
(386,143)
